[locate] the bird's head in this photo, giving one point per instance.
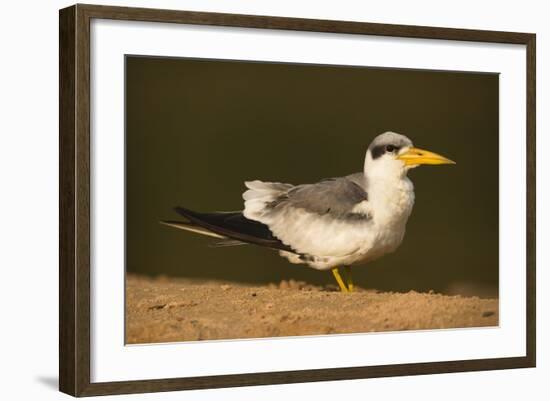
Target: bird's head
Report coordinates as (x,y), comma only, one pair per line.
(392,153)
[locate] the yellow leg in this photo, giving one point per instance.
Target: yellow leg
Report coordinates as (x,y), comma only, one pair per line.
(339,280)
(349,279)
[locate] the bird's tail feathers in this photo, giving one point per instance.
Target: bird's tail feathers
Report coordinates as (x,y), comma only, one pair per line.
(227,242)
(188,226)
(228,226)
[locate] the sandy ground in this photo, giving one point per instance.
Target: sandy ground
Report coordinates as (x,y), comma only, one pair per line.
(175,309)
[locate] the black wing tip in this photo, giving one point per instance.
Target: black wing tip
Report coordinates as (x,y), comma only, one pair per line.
(179,209)
(234,226)
(184,211)
(169,222)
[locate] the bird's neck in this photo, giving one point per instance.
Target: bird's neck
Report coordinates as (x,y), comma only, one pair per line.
(390,193)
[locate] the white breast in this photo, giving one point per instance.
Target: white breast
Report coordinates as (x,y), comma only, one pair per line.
(391,208)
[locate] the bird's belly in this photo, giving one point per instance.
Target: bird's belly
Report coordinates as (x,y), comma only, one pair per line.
(351,245)
(323,243)
(384,241)
(368,242)
(311,234)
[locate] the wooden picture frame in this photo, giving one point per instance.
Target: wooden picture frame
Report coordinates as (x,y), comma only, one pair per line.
(74,118)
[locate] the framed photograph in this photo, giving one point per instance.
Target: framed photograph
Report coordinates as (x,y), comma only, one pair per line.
(251,200)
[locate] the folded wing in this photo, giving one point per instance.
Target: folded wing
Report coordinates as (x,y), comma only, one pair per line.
(315,219)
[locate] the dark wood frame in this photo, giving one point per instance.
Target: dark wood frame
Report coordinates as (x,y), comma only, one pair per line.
(74,204)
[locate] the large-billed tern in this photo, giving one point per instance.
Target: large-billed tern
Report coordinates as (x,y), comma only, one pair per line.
(336,222)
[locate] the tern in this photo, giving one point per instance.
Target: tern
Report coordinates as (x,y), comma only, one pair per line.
(332,224)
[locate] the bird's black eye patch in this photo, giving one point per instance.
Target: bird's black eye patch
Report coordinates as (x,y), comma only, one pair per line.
(379,150)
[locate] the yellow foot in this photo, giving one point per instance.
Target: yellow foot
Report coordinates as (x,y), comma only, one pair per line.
(339,280)
(349,279)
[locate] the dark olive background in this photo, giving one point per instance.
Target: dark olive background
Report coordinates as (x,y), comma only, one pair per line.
(196,129)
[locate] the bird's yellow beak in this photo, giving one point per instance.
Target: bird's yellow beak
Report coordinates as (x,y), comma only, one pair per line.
(415,157)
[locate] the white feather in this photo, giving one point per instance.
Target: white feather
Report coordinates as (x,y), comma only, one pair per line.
(194,229)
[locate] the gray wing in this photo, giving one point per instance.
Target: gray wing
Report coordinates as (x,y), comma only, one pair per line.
(325,218)
(336,196)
